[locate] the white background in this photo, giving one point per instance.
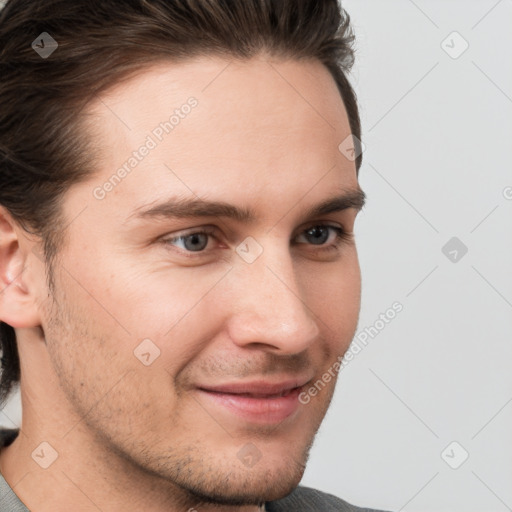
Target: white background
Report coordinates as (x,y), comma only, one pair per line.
(438,135)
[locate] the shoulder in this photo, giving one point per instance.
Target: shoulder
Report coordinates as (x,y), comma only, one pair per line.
(312,500)
(8,499)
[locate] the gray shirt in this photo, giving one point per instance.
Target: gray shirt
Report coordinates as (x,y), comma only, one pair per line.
(302,499)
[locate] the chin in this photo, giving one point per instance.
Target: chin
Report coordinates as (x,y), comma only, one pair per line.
(251,492)
(215,482)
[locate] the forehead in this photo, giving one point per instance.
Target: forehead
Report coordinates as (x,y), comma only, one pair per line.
(261,122)
(223,80)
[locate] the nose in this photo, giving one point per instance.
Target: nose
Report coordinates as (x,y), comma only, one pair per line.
(269,305)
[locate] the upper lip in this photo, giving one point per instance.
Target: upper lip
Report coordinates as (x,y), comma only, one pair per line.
(257,387)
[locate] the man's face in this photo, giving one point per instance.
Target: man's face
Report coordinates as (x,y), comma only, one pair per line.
(144,328)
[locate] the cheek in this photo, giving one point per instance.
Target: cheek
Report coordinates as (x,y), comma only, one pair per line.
(338,303)
(152,295)
(121,316)
(333,292)
(103,380)
(349,295)
(89,336)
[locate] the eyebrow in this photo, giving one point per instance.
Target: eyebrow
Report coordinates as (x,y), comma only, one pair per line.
(187,208)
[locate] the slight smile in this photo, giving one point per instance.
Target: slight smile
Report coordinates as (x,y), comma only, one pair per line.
(260,402)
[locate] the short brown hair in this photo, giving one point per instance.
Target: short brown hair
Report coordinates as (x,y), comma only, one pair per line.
(43,147)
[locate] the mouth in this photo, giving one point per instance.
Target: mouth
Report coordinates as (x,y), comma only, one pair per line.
(257,402)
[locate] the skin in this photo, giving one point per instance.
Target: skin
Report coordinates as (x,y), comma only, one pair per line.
(130,436)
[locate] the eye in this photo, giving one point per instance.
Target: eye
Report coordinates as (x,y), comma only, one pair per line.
(195,241)
(319,234)
(316,235)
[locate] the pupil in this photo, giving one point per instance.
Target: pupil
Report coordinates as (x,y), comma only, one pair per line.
(195,237)
(316,230)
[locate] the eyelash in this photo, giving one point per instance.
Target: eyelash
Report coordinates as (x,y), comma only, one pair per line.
(342,236)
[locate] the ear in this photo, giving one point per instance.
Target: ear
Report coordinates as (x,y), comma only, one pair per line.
(20,275)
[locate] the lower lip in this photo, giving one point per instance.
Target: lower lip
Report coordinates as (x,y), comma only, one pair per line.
(257,410)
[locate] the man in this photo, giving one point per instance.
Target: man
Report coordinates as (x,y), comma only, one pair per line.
(179,276)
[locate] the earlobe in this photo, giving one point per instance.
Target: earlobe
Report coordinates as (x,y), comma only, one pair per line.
(18,304)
